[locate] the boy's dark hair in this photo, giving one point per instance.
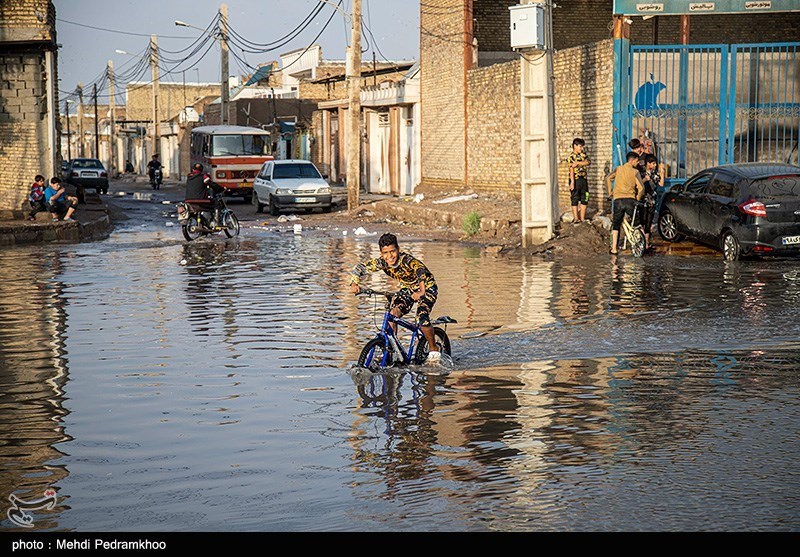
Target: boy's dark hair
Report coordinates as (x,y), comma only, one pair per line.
(578,141)
(650,158)
(39,178)
(388,239)
(635,143)
(631,155)
(197,166)
(55,180)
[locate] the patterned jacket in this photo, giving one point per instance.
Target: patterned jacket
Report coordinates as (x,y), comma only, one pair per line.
(409,270)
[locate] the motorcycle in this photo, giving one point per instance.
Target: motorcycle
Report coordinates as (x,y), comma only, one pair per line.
(156,179)
(198,220)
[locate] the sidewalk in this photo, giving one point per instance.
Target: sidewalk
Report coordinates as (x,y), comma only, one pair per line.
(91,223)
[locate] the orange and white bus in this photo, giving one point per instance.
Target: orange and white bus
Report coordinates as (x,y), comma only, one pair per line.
(231,155)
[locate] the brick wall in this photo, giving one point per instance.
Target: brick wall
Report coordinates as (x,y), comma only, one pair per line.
(27,30)
(172,97)
(584,87)
(492,21)
(443,46)
(493,132)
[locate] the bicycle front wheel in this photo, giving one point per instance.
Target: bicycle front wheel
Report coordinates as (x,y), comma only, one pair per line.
(637,242)
(375,355)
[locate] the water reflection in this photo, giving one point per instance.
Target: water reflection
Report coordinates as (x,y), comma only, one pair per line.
(33,374)
(658,393)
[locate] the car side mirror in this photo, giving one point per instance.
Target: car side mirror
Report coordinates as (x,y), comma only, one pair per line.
(325,176)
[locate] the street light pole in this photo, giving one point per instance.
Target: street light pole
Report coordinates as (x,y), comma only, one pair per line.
(224,116)
(96,124)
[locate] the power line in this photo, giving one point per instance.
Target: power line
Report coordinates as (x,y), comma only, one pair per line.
(115,31)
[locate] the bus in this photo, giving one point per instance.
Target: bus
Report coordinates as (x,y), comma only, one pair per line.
(231,155)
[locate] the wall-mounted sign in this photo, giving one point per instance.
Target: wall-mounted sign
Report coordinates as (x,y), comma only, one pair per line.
(688,7)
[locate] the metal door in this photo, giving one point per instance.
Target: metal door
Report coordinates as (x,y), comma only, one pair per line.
(704,105)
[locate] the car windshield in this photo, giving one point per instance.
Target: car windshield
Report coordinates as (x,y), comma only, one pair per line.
(295,171)
(777,187)
(87,164)
(240,145)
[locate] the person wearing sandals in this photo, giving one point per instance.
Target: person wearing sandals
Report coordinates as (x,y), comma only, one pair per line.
(58,202)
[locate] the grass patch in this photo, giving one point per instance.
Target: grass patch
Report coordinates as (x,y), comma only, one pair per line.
(471,223)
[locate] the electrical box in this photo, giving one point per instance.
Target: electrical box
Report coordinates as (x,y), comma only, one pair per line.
(527,26)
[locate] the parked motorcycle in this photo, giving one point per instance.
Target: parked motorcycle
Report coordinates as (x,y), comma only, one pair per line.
(197,220)
(156,179)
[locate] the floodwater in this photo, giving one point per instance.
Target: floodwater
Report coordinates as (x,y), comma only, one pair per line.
(158,385)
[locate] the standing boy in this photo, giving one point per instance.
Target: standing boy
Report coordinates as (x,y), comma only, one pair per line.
(36,197)
(578,182)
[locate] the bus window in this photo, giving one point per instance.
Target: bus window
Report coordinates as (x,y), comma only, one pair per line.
(239,145)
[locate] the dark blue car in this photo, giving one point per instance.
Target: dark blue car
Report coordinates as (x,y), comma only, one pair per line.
(742,209)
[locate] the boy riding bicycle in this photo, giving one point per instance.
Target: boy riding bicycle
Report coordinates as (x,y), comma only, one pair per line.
(418,285)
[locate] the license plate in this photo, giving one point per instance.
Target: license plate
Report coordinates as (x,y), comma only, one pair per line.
(305,199)
(790,240)
(89,174)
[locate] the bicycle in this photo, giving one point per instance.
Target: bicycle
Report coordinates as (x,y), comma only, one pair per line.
(633,235)
(385,350)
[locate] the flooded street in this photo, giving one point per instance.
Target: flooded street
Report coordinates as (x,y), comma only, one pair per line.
(160,385)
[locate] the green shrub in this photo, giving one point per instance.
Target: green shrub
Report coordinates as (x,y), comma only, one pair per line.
(472,223)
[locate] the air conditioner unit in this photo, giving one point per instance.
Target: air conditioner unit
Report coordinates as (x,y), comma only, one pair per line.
(527,26)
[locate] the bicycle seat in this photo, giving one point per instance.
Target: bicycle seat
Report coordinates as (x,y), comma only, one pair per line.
(443,319)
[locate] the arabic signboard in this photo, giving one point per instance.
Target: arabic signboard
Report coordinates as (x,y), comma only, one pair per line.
(689,7)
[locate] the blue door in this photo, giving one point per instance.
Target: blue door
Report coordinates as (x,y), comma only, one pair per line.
(704,105)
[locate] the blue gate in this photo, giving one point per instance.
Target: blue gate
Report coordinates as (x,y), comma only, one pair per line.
(704,105)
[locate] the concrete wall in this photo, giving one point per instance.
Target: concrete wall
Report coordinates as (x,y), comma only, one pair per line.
(493,130)
(584,88)
(27,33)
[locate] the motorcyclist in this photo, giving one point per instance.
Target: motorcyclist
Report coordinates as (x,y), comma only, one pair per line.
(152,166)
(200,186)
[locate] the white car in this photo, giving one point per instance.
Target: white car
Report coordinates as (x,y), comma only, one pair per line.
(290,184)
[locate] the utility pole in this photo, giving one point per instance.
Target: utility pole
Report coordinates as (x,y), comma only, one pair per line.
(154,68)
(354,110)
(223,48)
(69,135)
(80,120)
(112,146)
(96,124)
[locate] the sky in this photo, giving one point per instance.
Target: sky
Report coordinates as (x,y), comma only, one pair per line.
(85,52)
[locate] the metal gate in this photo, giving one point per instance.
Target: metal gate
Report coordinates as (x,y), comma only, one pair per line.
(704,105)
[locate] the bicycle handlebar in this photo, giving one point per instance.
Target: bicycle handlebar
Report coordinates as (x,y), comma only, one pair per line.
(371,292)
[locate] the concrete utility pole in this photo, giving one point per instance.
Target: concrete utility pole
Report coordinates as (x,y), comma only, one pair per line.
(354,110)
(111,144)
(80,120)
(154,67)
(96,124)
(69,135)
(223,49)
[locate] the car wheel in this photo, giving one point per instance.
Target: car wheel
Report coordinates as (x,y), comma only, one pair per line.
(273,207)
(668,228)
(256,203)
(327,208)
(731,251)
